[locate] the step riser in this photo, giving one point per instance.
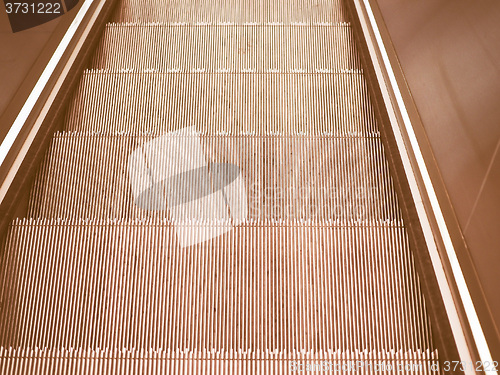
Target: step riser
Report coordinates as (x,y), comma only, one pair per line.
(234,103)
(234,48)
(231,11)
(259,286)
(285,177)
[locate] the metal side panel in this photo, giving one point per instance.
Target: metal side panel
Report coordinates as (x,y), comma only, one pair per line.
(43,110)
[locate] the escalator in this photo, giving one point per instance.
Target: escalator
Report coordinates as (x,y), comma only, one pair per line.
(312,272)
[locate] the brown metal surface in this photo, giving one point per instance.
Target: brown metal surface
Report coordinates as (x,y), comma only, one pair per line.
(342,178)
(99,283)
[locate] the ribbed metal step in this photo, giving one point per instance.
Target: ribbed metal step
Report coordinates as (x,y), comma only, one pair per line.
(295,177)
(264,285)
(234,103)
(233,47)
(319,267)
(240,11)
(90,361)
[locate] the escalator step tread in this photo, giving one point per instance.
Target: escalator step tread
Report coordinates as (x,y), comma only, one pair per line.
(240,11)
(244,102)
(263,285)
(296,177)
(233,48)
(216,362)
(319,269)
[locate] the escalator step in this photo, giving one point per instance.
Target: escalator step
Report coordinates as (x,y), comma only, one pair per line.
(263,285)
(318,270)
(240,11)
(86,175)
(90,361)
(234,103)
(233,48)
